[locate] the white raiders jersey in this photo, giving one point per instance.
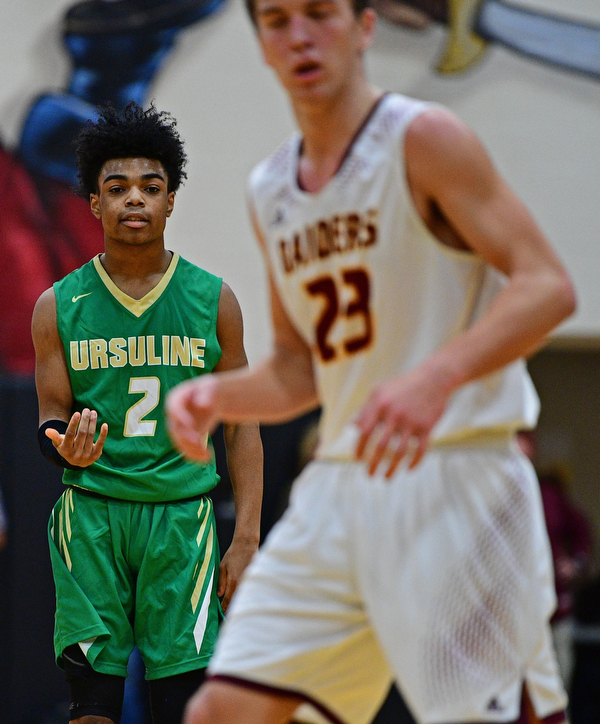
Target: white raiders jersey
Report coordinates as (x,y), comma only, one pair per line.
(371,290)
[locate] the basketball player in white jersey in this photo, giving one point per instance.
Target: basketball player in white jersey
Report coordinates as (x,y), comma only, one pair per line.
(407,285)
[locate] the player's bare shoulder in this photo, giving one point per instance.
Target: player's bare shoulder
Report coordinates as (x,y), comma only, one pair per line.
(437,123)
(229,307)
(43,322)
(442,152)
(230,331)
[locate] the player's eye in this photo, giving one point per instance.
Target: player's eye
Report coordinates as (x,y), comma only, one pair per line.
(321,10)
(274,21)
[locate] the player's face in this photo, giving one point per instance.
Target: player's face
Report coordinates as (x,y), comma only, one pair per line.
(133,202)
(314,46)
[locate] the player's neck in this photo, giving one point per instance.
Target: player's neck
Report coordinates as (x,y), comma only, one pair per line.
(328,128)
(136,270)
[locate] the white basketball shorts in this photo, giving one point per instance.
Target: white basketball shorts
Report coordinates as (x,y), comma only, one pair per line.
(440,578)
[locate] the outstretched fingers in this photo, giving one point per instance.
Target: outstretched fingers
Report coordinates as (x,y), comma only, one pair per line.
(66,441)
(77,445)
(99,444)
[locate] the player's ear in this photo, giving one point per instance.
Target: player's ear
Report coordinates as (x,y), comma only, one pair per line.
(95,205)
(367,20)
(170,202)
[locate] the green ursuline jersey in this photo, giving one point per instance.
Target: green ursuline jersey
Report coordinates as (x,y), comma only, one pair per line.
(123,356)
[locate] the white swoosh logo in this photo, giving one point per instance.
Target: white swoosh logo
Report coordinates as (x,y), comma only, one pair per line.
(74,299)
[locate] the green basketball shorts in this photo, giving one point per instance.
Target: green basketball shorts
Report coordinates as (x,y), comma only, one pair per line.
(135,573)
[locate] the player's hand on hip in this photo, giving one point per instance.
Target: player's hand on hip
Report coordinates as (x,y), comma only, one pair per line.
(396,421)
(77,445)
(191,416)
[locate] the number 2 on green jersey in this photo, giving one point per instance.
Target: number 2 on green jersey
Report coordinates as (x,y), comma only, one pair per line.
(135,426)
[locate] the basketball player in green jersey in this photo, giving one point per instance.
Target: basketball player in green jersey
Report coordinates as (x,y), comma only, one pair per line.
(132,539)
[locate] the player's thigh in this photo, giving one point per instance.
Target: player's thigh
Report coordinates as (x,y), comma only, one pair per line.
(94,584)
(177,609)
(449,557)
(297,622)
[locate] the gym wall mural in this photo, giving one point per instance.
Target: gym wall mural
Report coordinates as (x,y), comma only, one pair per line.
(473,24)
(46,231)
(117,48)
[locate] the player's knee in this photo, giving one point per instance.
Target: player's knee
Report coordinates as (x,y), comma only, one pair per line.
(95,698)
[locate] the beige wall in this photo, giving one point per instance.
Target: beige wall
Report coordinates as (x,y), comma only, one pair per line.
(540,125)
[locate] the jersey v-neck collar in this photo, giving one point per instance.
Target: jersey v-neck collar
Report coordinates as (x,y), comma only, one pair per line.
(136,306)
(345,155)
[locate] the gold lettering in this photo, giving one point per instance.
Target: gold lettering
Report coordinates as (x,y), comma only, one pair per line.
(137,351)
(165,349)
(180,351)
(80,358)
(152,358)
(98,356)
(116,347)
(197,351)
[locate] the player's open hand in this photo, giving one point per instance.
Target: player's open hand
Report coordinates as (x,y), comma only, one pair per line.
(396,421)
(192,416)
(77,445)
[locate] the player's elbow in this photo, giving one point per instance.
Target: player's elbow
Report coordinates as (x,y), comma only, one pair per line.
(565,295)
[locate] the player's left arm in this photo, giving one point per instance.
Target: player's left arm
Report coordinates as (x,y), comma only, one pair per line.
(244,456)
(73,444)
(450,172)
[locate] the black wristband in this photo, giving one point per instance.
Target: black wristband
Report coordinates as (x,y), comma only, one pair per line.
(47,446)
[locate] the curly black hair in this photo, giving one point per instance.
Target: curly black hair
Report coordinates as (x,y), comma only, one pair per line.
(129,133)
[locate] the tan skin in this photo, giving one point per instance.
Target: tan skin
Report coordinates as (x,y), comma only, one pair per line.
(316,48)
(133,204)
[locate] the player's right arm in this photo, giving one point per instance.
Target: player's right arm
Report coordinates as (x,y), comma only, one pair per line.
(55,398)
(277,389)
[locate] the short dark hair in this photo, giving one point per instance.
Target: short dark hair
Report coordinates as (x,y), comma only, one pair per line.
(129,133)
(357,6)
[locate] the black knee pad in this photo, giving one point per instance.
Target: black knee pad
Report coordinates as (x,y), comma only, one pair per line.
(169,696)
(92,693)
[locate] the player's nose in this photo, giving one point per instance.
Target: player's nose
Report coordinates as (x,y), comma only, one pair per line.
(299,32)
(134,197)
